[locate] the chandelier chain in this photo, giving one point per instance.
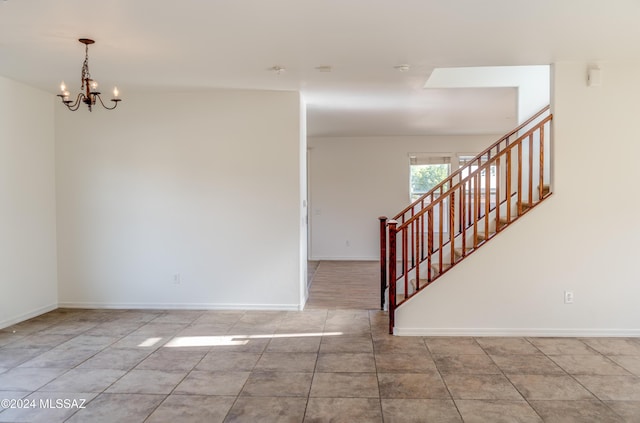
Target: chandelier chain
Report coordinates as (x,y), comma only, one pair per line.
(86,76)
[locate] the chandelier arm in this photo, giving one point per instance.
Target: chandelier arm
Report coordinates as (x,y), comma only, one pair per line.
(72,106)
(115,102)
(79,101)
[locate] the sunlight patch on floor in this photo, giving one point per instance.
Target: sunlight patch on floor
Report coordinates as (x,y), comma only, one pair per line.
(228,340)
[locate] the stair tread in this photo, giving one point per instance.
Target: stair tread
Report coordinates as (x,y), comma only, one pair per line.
(482,236)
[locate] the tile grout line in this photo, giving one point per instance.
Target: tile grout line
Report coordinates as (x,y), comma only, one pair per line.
(104,391)
(572,376)
(525,399)
(315,366)
(237,397)
(444,382)
(375,363)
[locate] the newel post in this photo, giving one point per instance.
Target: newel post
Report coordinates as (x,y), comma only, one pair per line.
(392,273)
(383,259)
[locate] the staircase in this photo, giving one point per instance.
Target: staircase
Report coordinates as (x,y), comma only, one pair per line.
(464,212)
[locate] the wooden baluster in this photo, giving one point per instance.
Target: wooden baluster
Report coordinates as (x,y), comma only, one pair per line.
(405,258)
(530,170)
(463,212)
(476,204)
(498,170)
(469,188)
(487,200)
(422,233)
(440,228)
(541,182)
(520,178)
(509,185)
(429,242)
(383,258)
(412,229)
(478,188)
(452,226)
(459,215)
(392,273)
(418,261)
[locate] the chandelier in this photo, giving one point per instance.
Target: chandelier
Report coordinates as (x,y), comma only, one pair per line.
(89,94)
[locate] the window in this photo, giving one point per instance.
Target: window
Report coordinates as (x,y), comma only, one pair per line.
(426,172)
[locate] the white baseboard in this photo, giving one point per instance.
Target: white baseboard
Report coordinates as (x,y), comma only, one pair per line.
(26,316)
(304,300)
(180,306)
(533,332)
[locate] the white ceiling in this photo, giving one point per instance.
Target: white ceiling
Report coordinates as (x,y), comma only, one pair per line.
(196,44)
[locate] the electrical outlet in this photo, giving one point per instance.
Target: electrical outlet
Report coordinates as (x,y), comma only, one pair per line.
(348,243)
(176,279)
(568,297)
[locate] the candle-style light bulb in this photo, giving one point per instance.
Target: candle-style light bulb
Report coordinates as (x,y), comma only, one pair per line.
(63,87)
(93,85)
(115,93)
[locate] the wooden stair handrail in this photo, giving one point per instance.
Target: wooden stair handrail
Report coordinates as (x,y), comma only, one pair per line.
(477,157)
(485,165)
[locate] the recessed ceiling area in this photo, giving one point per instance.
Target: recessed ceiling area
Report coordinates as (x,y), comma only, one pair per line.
(434,111)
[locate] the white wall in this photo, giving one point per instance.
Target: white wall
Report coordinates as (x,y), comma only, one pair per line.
(28,285)
(532,83)
(582,239)
(201,184)
(353,181)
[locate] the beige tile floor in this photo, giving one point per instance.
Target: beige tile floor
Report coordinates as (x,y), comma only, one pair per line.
(344,285)
(312,366)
